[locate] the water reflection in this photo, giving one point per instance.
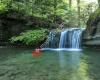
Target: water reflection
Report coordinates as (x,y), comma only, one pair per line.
(62,60)
(72,67)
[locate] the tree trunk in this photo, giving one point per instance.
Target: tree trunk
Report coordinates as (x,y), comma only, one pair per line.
(78,9)
(70,16)
(99,2)
(55,8)
(70,4)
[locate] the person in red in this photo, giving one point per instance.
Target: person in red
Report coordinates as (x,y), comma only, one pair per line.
(36,53)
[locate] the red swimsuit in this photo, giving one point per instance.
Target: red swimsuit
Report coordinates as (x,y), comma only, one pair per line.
(36,53)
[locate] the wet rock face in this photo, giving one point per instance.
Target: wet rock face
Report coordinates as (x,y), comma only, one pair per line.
(92,32)
(52,40)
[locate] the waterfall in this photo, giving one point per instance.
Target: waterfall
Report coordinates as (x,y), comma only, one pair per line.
(70,38)
(76,38)
(49,43)
(63,39)
(67,38)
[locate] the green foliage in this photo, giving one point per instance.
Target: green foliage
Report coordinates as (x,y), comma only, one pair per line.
(86,11)
(93,19)
(30,37)
(95,14)
(55,11)
(3,4)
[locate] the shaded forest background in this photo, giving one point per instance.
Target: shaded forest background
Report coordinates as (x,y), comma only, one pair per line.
(29,21)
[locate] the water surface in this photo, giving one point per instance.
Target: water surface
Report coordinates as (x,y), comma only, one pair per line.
(18,64)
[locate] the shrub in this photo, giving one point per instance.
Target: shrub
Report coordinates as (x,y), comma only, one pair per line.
(30,37)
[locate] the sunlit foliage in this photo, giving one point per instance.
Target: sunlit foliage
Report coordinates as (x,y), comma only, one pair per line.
(30,37)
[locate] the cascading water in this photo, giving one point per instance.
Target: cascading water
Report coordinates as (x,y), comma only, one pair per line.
(70,38)
(67,39)
(63,39)
(50,41)
(76,38)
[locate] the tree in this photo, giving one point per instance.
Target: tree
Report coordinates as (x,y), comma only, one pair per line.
(70,12)
(55,8)
(70,4)
(78,9)
(99,2)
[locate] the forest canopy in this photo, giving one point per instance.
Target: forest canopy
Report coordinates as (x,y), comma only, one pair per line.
(72,12)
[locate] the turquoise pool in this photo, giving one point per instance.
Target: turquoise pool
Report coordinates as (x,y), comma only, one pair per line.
(19,64)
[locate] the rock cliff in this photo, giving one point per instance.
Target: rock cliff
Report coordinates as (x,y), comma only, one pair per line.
(92,32)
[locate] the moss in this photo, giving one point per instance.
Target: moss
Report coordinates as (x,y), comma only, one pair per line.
(96,14)
(93,20)
(94,17)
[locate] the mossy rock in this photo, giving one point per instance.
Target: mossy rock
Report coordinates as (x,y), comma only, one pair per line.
(92,23)
(94,18)
(92,32)
(95,14)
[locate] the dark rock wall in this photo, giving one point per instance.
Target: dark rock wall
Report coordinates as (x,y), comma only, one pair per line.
(12,23)
(52,40)
(92,32)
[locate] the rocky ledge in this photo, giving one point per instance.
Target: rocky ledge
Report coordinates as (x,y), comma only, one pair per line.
(92,32)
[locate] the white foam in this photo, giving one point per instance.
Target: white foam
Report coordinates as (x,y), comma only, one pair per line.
(61,49)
